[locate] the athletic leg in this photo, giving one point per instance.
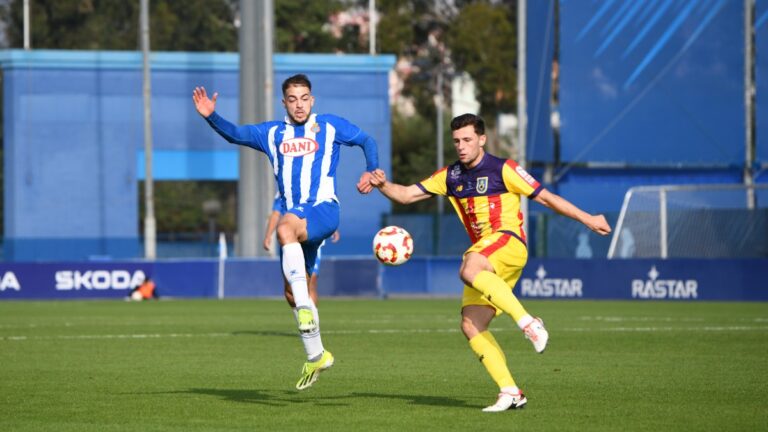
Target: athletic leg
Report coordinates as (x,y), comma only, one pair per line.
(477,271)
(290,232)
(474,324)
(494,271)
(475,319)
(318,223)
(312,291)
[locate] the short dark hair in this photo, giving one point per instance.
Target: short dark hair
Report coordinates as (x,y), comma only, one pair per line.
(297,80)
(464,120)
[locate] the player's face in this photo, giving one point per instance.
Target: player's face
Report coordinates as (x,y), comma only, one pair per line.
(298,103)
(469,146)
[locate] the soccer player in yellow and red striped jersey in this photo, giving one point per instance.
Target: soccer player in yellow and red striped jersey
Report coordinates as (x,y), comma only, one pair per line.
(485,192)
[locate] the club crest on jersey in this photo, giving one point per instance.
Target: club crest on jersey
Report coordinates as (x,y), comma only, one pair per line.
(482,184)
(297,147)
(315,128)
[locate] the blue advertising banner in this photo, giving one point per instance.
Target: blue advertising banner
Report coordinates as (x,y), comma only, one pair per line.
(599,279)
(646,279)
(630,279)
(71,280)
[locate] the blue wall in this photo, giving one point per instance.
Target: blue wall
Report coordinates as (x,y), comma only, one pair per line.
(540,36)
(653,82)
(74,141)
(603,190)
(761,78)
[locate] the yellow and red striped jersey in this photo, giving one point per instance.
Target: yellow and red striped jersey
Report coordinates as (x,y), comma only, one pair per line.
(487,197)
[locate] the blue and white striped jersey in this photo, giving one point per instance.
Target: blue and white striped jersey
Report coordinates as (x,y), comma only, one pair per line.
(304,157)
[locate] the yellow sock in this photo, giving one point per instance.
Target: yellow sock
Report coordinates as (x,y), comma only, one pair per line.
(492,357)
(499,293)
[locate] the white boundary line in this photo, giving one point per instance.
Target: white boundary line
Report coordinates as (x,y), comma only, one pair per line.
(385,331)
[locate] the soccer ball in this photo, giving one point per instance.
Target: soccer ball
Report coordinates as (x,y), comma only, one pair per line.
(392,245)
(136,296)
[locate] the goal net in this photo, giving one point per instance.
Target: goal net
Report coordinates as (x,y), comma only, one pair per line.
(692,221)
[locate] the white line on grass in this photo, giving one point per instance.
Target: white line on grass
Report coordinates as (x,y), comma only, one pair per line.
(639,318)
(659,319)
(384,331)
(115,336)
(666,329)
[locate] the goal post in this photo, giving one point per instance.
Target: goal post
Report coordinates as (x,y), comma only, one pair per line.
(692,221)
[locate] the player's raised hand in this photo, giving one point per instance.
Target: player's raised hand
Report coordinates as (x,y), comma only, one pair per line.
(364,185)
(378,178)
(204,105)
(598,224)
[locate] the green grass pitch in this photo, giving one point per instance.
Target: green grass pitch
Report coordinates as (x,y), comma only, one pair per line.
(401,365)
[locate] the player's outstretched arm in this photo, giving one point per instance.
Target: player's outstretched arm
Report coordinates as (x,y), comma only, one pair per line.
(596,223)
(274,217)
(243,135)
(204,105)
(396,192)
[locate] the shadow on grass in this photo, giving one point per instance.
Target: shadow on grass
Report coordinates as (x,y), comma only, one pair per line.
(245,395)
(284,397)
(416,399)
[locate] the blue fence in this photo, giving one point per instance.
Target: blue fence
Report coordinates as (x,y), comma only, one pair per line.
(674,279)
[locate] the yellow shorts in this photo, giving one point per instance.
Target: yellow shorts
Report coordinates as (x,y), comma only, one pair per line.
(507,254)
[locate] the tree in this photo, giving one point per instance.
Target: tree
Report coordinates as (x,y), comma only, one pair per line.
(302,26)
(179,213)
(413,155)
(175,25)
(192,25)
(395,33)
(483,41)
(442,37)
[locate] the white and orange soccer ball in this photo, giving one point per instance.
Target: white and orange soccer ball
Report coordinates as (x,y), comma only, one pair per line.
(392,245)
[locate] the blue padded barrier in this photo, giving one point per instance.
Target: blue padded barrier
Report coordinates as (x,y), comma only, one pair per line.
(629,279)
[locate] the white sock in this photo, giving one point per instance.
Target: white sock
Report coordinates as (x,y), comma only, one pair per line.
(313,344)
(296,274)
(511,390)
(524,321)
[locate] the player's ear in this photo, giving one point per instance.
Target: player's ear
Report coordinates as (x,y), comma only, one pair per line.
(482,140)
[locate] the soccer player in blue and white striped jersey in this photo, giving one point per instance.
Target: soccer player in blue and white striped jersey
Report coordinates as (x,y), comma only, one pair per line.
(304,152)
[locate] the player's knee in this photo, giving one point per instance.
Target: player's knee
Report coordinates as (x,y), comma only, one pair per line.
(473,264)
(466,326)
(286,233)
(469,327)
(467,274)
